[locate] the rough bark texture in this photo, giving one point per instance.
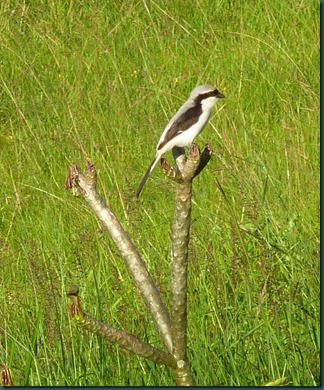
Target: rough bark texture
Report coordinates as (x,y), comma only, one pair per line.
(86,184)
(188,168)
(179,276)
(173,332)
(123,339)
(179,268)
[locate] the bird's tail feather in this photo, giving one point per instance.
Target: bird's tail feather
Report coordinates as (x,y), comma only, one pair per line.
(147,174)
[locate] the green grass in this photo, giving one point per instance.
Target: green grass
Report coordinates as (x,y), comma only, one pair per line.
(101,79)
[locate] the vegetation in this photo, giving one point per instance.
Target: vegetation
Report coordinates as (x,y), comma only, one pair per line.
(101,80)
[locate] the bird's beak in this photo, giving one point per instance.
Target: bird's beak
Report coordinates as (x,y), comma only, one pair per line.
(220,95)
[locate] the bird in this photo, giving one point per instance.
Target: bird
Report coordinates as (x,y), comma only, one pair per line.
(185,125)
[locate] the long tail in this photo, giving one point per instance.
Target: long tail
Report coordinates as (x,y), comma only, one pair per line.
(147,174)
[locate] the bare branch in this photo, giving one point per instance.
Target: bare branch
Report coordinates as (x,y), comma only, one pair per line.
(85,185)
(188,168)
(204,158)
(123,339)
(179,263)
(174,332)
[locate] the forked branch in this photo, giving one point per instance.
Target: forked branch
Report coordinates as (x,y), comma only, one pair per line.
(173,332)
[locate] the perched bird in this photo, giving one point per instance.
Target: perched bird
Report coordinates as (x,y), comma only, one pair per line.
(186,124)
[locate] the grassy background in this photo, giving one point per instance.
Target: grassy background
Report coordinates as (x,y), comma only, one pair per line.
(100,79)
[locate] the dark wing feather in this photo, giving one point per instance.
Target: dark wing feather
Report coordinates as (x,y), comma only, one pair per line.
(183,123)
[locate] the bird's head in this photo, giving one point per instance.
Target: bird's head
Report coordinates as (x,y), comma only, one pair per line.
(206,95)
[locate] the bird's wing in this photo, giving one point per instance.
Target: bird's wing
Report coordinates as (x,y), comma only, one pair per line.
(180,124)
(188,104)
